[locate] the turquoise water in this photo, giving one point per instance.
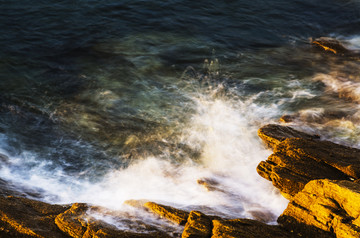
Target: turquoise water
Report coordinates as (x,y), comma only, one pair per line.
(106,101)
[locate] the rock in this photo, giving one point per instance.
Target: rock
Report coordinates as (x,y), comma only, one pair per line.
(273,134)
(287,118)
(210,185)
(321,116)
(21,217)
(178,216)
(262,216)
(78,223)
(136,203)
(296,161)
(170,213)
(332,206)
(331,45)
(246,228)
(198,226)
(72,221)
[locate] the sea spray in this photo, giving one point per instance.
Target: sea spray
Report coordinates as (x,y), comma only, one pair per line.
(223,131)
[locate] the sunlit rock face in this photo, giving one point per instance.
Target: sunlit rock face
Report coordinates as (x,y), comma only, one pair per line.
(332,206)
(296,161)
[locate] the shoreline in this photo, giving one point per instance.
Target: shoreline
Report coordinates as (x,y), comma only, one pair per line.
(318,205)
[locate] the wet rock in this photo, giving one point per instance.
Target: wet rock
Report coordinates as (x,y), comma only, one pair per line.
(210,185)
(21,217)
(198,226)
(170,213)
(287,118)
(77,222)
(297,161)
(327,205)
(273,134)
(331,45)
(178,216)
(322,116)
(246,228)
(262,216)
(136,203)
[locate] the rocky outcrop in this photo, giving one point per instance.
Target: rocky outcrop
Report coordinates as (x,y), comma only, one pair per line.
(330,206)
(320,178)
(246,228)
(78,222)
(296,161)
(170,213)
(198,225)
(21,217)
(178,216)
(273,134)
(203,226)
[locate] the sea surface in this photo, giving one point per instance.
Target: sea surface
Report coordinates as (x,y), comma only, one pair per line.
(105,101)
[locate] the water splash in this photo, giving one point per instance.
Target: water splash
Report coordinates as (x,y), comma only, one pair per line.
(224,134)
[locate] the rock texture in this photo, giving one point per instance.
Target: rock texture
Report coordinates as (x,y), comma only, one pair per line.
(273,134)
(77,223)
(296,161)
(246,228)
(170,213)
(328,205)
(331,45)
(198,226)
(21,217)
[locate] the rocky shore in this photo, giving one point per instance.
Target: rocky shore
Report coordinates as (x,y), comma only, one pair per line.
(321,180)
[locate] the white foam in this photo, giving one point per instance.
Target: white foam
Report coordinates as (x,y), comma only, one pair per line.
(223,131)
(353,43)
(345,87)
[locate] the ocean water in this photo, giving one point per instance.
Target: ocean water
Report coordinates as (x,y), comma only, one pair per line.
(105,101)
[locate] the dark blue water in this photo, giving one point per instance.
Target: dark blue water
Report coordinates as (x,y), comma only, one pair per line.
(89,88)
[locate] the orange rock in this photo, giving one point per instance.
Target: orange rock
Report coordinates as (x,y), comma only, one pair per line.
(331,206)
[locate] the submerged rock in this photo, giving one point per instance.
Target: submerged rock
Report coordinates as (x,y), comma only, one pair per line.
(273,134)
(21,217)
(331,45)
(327,205)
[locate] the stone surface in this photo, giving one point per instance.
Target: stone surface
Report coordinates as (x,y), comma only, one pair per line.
(136,203)
(273,134)
(198,226)
(78,223)
(21,217)
(178,216)
(330,45)
(295,162)
(246,228)
(287,118)
(332,206)
(211,185)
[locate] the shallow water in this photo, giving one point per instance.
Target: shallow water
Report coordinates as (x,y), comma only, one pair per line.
(107,101)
